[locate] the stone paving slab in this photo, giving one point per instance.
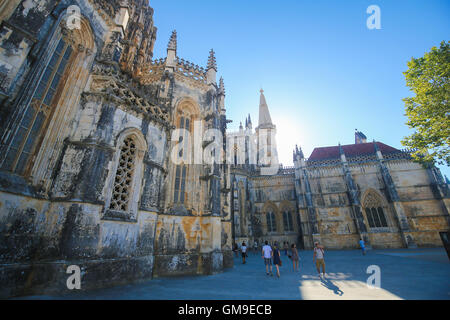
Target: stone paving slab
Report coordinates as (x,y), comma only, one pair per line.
(405,274)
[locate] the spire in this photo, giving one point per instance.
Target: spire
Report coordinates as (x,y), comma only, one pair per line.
(377,150)
(211,61)
(341,150)
(211,69)
(342,154)
(221,86)
(249,122)
(173,41)
(298,152)
(375,146)
(264,116)
(246,123)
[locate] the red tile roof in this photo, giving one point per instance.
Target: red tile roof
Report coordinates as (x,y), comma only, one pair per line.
(350,150)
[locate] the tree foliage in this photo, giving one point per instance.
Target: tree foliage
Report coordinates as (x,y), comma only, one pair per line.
(429,111)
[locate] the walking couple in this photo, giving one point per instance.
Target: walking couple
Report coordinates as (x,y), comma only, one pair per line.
(268,255)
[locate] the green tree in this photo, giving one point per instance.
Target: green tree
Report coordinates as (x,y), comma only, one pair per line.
(429,110)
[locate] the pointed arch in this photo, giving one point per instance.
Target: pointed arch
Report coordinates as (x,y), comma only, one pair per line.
(44,112)
(125,178)
(271,212)
(288,212)
(374,208)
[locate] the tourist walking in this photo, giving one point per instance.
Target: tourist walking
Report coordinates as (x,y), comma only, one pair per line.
(267,256)
(318,258)
(255,246)
(244,252)
(285,247)
(363,246)
(294,256)
(277,259)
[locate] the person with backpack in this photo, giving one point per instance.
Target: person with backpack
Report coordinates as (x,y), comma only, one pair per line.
(318,258)
(267,256)
(244,252)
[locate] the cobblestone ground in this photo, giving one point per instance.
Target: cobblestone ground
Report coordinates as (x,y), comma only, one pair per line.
(405,274)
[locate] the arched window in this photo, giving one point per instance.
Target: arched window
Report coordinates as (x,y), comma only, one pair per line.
(287,221)
(39,111)
(271,223)
(42,116)
(374,211)
(179,195)
(376,217)
(126,175)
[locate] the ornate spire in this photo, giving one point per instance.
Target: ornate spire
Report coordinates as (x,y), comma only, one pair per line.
(173,41)
(301,153)
(211,61)
(264,115)
(249,119)
(221,86)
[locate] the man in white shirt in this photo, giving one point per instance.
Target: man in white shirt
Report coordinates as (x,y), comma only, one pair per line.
(267,254)
(318,258)
(244,252)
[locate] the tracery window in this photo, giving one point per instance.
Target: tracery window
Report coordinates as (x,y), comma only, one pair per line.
(39,111)
(376,217)
(179,195)
(180,184)
(374,211)
(271,223)
(287,221)
(124,176)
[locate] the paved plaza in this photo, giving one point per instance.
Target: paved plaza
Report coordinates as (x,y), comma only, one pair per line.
(405,274)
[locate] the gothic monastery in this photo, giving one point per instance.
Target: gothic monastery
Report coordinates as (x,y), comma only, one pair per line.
(87,170)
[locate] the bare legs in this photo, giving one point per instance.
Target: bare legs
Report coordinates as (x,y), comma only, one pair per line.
(295,265)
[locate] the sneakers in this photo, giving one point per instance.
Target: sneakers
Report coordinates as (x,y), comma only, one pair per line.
(323,275)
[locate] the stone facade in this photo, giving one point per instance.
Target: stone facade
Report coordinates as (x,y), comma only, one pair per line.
(86,174)
(337,196)
(97,169)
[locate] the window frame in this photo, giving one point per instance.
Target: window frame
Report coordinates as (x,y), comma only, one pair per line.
(39,106)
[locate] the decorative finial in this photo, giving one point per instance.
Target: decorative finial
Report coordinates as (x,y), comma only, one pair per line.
(301,153)
(341,150)
(262,91)
(211,61)
(221,86)
(375,146)
(172,41)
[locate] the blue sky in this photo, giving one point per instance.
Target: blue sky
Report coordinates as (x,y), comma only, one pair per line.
(324,73)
